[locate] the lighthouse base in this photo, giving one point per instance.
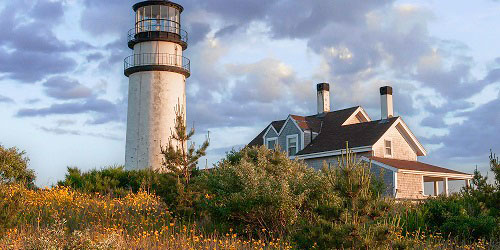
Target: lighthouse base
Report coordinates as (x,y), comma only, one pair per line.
(153,98)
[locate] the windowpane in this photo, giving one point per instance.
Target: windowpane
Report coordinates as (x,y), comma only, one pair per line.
(148,13)
(388,151)
(388,148)
(271,144)
(139,17)
(157,18)
(177,17)
(292,146)
(147,17)
(171,14)
(164,17)
(155,11)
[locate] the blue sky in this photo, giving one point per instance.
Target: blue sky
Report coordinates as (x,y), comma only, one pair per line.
(63,94)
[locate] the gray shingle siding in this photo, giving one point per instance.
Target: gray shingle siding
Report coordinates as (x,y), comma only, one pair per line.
(290,129)
(307,137)
(317,163)
(332,161)
(270,134)
(387,178)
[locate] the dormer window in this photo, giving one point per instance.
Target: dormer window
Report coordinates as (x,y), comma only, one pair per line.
(388,148)
(271,142)
(292,144)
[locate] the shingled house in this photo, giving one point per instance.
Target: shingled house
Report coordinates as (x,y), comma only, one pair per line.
(387,143)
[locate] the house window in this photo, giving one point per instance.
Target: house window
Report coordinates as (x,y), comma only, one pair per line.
(292,144)
(271,143)
(388,148)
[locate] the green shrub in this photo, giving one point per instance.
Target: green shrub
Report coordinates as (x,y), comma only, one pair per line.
(349,213)
(258,190)
(10,207)
(118,182)
(14,167)
(450,216)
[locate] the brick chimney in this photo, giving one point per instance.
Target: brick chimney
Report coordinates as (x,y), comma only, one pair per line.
(323,98)
(387,108)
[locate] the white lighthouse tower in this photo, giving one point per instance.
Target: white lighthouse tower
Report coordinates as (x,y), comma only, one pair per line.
(157,74)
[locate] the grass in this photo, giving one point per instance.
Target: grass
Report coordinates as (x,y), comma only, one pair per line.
(61,218)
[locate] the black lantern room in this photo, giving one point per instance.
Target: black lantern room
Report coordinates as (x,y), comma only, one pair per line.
(158,20)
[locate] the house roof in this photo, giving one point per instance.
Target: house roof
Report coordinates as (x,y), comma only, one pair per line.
(314,123)
(334,136)
(259,140)
(310,123)
(414,165)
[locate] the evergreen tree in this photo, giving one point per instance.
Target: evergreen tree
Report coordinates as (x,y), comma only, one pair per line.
(181,159)
(180,155)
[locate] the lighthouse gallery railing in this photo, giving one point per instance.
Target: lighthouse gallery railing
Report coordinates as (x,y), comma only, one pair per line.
(155,25)
(161,59)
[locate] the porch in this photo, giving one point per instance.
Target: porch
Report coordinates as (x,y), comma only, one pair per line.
(445,183)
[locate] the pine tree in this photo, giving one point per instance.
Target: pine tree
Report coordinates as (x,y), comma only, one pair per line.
(180,155)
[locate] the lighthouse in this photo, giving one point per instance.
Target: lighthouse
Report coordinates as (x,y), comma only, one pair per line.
(157,74)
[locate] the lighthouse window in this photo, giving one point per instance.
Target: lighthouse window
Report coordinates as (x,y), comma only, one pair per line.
(147,18)
(155,14)
(171,14)
(158,18)
(164,17)
(164,12)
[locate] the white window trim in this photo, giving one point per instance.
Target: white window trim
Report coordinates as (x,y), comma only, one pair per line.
(395,180)
(272,139)
(297,126)
(385,149)
(423,186)
(296,146)
(267,131)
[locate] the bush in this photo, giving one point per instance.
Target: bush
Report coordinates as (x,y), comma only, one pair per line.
(258,190)
(118,182)
(450,216)
(47,207)
(10,206)
(349,212)
(14,167)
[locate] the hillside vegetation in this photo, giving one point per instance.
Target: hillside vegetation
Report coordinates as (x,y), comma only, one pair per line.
(253,199)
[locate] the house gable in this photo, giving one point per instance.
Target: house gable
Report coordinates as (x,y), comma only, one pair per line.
(357,116)
(404,145)
(270,133)
(290,128)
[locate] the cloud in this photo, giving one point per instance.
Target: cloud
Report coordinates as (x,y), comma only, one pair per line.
(362,45)
(110,17)
(474,137)
(94,56)
(102,111)
(32,66)
(266,90)
(62,131)
(198,32)
(29,49)
(64,88)
(5,99)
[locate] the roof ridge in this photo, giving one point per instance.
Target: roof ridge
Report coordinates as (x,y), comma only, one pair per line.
(335,111)
(392,119)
